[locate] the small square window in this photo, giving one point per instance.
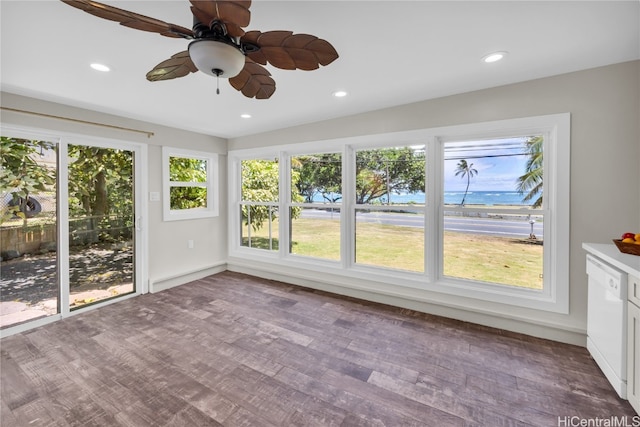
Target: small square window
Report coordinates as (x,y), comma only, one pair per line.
(189,184)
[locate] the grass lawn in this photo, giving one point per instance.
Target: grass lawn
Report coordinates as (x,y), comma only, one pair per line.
(501,260)
(390,246)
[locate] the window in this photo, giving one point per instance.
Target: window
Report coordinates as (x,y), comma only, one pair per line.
(260,189)
(472,210)
(493,212)
(389,202)
(314,211)
(505,237)
(189,180)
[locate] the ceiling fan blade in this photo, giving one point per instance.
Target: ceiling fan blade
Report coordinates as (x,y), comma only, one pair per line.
(179,65)
(131,19)
(251,37)
(234,14)
(254,81)
(289,51)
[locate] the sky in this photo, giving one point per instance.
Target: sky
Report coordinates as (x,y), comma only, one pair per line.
(497,173)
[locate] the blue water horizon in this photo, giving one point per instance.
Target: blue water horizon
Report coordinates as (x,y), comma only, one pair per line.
(487,198)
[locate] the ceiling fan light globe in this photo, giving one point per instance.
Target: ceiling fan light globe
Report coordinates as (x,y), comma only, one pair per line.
(211,56)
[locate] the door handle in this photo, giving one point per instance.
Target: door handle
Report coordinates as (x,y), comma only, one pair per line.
(138,223)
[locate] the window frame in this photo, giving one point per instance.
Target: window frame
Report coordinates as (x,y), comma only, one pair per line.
(290,204)
(555,294)
(270,205)
(235,203)
(355,207)
(211,184)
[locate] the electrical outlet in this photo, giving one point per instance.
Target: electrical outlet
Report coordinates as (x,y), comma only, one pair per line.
(190,244)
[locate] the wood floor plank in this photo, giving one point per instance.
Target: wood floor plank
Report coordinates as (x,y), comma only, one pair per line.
(40,412)
(16,387)
(374,396)
(235,350)
(316,413)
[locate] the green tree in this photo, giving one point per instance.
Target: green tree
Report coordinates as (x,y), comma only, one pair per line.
(182,169)
(100,188)
(465,169)
(21,175)
(379,173)
(382,172)
(319,174)
(260,183)
(531,181)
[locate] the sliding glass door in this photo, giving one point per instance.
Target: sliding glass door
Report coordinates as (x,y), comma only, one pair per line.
(29,286)
(101,224)
(70,225)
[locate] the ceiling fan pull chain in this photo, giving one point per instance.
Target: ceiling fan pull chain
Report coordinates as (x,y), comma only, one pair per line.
(217,72)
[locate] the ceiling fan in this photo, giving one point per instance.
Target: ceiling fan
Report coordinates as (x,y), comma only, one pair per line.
(220,47)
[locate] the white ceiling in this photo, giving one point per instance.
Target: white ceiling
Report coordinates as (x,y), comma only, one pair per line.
(391,53)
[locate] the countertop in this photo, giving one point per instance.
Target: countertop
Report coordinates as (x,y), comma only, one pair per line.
(609,253)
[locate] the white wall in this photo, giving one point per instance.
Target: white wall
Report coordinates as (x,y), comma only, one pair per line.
(605,172)
(170,261)
(605,176)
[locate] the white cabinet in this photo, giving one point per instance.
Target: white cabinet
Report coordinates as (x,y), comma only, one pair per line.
(633,343)
(634,290)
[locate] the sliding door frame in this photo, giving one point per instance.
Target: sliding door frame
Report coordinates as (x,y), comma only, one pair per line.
(140,159)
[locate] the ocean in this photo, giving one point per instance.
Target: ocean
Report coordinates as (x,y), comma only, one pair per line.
(488,198)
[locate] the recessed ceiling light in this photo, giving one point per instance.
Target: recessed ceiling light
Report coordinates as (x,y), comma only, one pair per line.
(245,116)
(340,94)
(100,67)
(493,57)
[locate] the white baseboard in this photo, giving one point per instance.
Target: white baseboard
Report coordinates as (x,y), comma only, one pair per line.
(163,283)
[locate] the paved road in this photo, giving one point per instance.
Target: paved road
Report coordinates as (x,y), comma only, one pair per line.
(491,226)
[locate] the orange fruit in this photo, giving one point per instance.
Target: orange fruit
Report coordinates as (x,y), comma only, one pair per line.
(628,240)
(637,237)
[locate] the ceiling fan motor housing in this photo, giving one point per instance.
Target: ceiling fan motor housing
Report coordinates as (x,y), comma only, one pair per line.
(216,58)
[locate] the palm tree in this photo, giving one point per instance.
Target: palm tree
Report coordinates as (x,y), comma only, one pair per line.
(531,181)
(465,169)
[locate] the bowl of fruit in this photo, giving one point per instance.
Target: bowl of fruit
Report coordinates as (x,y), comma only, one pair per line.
(629,243)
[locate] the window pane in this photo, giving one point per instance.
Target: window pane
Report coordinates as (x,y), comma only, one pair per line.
(317,178)
(390,176)
(28,230)
(315,232)
(494,248)
(260,227)
(500,172)
(483,244)
(260,180)
(101,224)
(390,239)
(187,197)
(183,169)
(190,184)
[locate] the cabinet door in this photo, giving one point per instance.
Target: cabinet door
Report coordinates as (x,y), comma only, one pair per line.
(633,290)
(633,356)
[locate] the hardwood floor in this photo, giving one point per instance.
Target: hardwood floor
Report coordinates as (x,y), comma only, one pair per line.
(235,350)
